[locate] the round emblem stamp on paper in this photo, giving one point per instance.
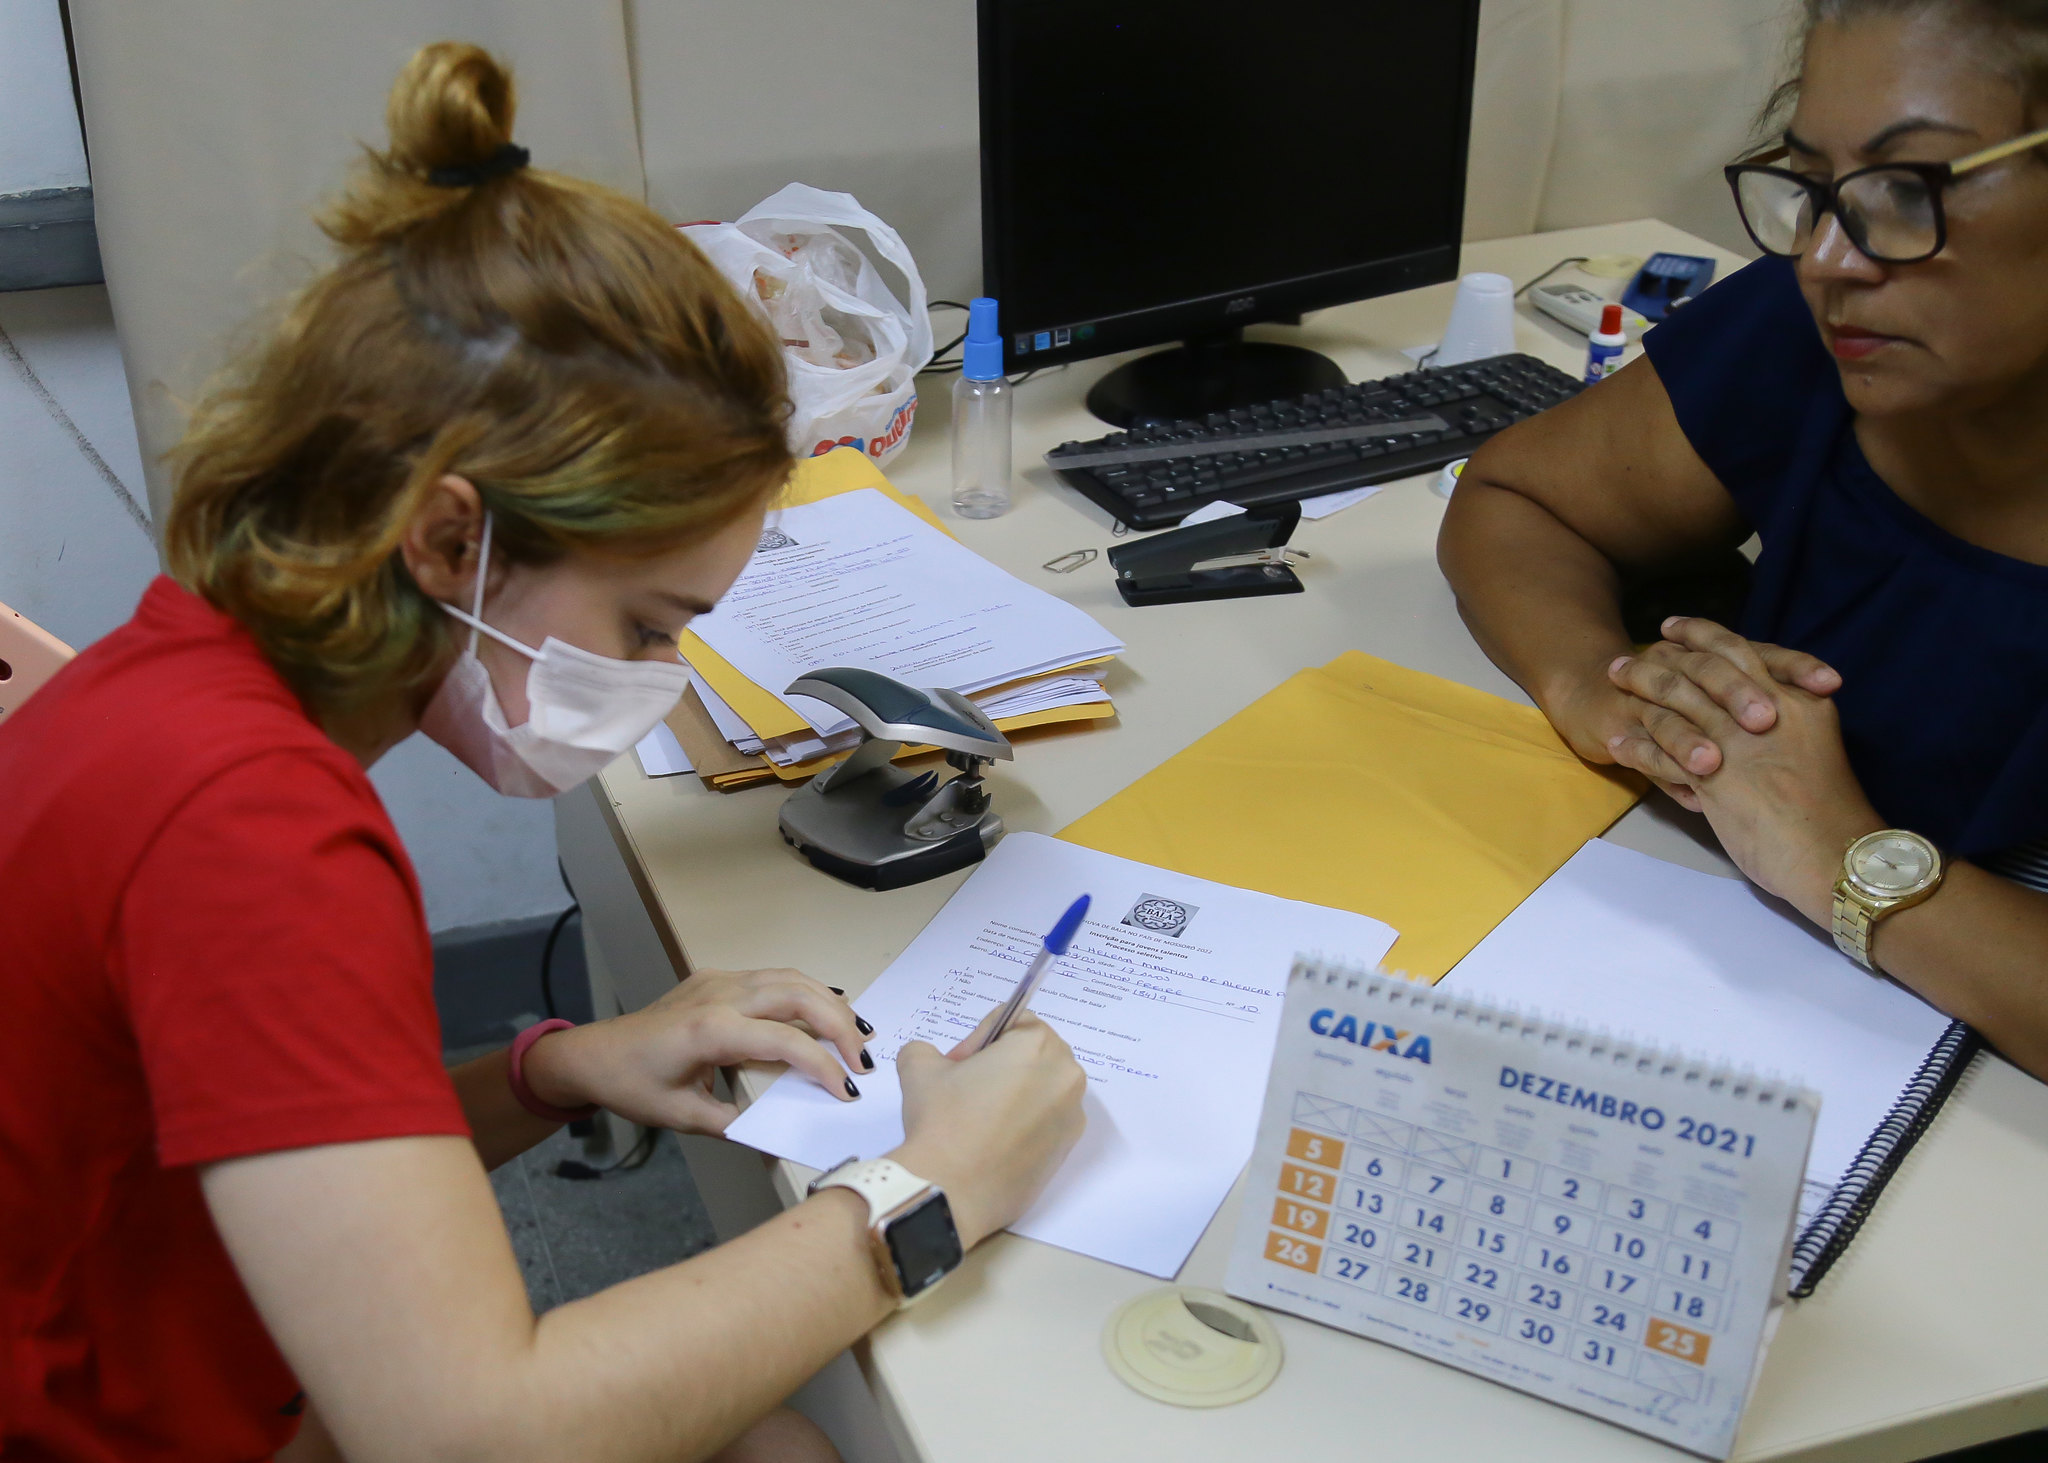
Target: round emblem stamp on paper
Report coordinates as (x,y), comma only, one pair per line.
(1192,1347)
(1160,915)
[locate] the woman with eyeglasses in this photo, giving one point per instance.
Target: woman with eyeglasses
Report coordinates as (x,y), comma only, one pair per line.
(1870,399)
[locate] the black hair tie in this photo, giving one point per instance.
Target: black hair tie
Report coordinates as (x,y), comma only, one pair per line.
(508,159)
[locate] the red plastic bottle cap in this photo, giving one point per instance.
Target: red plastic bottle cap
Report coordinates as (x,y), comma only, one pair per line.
(1610,320)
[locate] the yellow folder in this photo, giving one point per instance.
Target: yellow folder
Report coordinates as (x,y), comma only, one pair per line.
(1370,787)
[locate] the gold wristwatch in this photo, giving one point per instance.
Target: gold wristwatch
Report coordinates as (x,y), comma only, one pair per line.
(1882,873)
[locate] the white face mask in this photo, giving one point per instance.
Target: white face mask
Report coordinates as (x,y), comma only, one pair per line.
(582,709)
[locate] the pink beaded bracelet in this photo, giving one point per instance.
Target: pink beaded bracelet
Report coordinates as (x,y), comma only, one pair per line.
(516,1076)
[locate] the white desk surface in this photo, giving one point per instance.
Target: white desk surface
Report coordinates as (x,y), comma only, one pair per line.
(1922,1339)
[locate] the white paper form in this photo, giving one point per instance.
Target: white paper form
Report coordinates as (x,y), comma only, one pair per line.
(857,580)
(1630,944)
(1170,996)
(661,755)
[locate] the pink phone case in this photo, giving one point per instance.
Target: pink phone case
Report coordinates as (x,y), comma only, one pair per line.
(29,656)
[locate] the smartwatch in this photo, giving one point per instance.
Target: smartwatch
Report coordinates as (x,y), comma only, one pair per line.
(910,1225)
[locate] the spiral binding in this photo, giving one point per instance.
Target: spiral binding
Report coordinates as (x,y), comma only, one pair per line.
(1573,1038)
(1822,1242)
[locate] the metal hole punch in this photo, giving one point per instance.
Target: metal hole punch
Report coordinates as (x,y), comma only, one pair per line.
(1231,558)
(880,826)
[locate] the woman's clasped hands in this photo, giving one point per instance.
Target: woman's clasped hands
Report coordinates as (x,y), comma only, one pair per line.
(1746,733)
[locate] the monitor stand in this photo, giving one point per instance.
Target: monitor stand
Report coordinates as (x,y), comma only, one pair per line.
(1209,374)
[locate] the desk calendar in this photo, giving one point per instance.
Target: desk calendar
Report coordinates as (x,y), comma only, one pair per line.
(1594,1222)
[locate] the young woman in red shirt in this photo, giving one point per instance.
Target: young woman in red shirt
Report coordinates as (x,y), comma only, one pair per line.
(483,472)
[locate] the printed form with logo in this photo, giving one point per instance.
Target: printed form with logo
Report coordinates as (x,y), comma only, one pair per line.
(1170,996)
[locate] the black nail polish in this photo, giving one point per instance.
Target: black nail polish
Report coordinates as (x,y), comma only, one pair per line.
(867,1063)
(851,1090)
(863,1027)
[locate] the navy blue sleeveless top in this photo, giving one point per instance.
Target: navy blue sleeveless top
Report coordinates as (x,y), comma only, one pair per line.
(1942,646)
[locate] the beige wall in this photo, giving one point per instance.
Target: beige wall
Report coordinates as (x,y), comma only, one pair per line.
(871,97)
(1654,97)
(1587,111)
(216,127)
(40,145)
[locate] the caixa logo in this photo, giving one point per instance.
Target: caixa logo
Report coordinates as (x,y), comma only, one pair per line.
(1372,1035)
(1240,304)
(880,445)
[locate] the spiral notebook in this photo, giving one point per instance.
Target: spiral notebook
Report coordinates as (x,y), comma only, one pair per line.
(1598,1223)
(1619,941)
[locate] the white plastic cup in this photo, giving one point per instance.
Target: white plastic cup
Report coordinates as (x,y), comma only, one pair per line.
(1482,321)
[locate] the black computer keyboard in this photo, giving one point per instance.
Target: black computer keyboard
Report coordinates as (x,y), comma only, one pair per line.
(1152,477)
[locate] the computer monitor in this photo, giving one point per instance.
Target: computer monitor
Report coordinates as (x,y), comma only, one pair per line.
(1174,170)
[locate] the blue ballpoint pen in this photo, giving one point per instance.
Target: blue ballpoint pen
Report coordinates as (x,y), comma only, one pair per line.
(1054,947)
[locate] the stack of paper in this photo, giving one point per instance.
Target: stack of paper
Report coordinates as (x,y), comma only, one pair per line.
(854,573)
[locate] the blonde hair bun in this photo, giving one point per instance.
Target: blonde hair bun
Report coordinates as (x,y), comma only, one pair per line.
(452,106)
(450,111)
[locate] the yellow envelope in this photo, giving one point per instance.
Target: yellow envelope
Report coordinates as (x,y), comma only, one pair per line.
(841,471)
(1373,788)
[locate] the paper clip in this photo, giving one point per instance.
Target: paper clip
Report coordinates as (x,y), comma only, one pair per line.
(1068,563)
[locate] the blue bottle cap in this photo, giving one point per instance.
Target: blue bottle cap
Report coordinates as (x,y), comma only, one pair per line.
(982,358)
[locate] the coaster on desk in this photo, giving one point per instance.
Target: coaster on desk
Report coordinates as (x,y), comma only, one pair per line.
(1192,1347)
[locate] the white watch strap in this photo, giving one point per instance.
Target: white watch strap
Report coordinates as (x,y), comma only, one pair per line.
(886,1184)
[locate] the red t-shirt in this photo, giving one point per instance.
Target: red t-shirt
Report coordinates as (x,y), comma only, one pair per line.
(213,946)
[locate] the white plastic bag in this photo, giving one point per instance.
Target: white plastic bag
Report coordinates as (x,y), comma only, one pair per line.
(852,348)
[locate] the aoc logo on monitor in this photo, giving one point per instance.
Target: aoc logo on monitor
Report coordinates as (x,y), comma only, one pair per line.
(1167,917)
(1370,1035)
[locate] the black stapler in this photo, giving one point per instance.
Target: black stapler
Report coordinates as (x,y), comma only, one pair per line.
(1231,558)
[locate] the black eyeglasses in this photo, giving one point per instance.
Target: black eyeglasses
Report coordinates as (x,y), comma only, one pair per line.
(1892,212)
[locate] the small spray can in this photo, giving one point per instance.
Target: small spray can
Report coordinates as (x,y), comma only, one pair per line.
(1604,346)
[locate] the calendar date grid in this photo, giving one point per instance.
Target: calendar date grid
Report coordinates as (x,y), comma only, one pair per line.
(1577,1267)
